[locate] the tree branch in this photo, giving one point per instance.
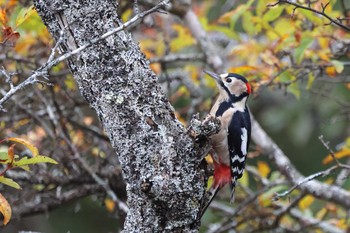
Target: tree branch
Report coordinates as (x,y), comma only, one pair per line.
(296,5)
(314,187)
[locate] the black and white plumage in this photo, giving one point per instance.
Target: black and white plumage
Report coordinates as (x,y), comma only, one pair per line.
(230,144)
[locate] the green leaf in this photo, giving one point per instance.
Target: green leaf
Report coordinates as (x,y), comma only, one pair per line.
(3,157)
(300,50)
(24,14)
(285,77)
(338,65)
(273,13)
(247,23)
(34,160)
(9,182)
(238,13)
(310,81)
(25,167)
(315,19)
(294,89)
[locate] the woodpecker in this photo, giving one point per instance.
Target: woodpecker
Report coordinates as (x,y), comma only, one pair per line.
(230,144)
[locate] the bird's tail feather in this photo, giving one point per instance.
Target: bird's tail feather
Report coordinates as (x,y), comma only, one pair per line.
(233,186)
(208,198)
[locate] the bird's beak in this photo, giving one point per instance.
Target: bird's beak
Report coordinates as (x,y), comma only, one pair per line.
(214,76)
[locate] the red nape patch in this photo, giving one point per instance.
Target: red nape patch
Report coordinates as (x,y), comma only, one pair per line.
(222,175)
(249,88)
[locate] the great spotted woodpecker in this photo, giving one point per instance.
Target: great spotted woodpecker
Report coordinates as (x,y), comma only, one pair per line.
(230,144)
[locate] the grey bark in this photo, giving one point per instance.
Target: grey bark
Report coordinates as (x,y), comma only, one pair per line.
(160,160)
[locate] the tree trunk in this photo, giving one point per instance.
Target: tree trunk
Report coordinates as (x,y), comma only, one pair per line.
(159,159)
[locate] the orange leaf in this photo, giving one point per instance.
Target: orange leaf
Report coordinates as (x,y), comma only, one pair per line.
(340,154)
(242,69)
(11,152)
(110,205)
(297,36)
(5,209)
(331,71)
(27,144)
(3,17)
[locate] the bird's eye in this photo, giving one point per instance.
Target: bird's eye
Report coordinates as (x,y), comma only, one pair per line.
(228,80)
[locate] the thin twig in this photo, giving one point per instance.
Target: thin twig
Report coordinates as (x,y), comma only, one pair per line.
(334,21)
(43,70)
(326,145)
(305,180)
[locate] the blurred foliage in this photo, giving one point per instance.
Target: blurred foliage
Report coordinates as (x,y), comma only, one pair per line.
(297,62)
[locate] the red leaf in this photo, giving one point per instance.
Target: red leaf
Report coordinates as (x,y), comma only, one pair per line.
(10,36)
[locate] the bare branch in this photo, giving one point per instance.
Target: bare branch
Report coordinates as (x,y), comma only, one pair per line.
(43,70)
(318,189)
(334,21)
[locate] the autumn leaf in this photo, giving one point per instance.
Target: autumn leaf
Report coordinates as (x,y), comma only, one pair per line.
(183,39)
(11,152)
(27,144)
(5,209)
(306,202)
(110,205)
(331,71)
(263,169)
(344,152)
(10,36)
(3,17)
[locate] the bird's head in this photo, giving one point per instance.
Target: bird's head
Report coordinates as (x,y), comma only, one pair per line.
(231,84)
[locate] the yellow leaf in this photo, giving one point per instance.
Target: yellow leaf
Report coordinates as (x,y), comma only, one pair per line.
(324,55)
(244,180)
(306,202)
(321,213)
(265,200)
(110,205)
(24,14)
(3,17)
(242,69)
(232,16)
(27,144)
(127,15)
(263,169)
(5,209)
(183,38)
(323,42)
(209,159)
(210,182)
(342,223)
(344,152)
